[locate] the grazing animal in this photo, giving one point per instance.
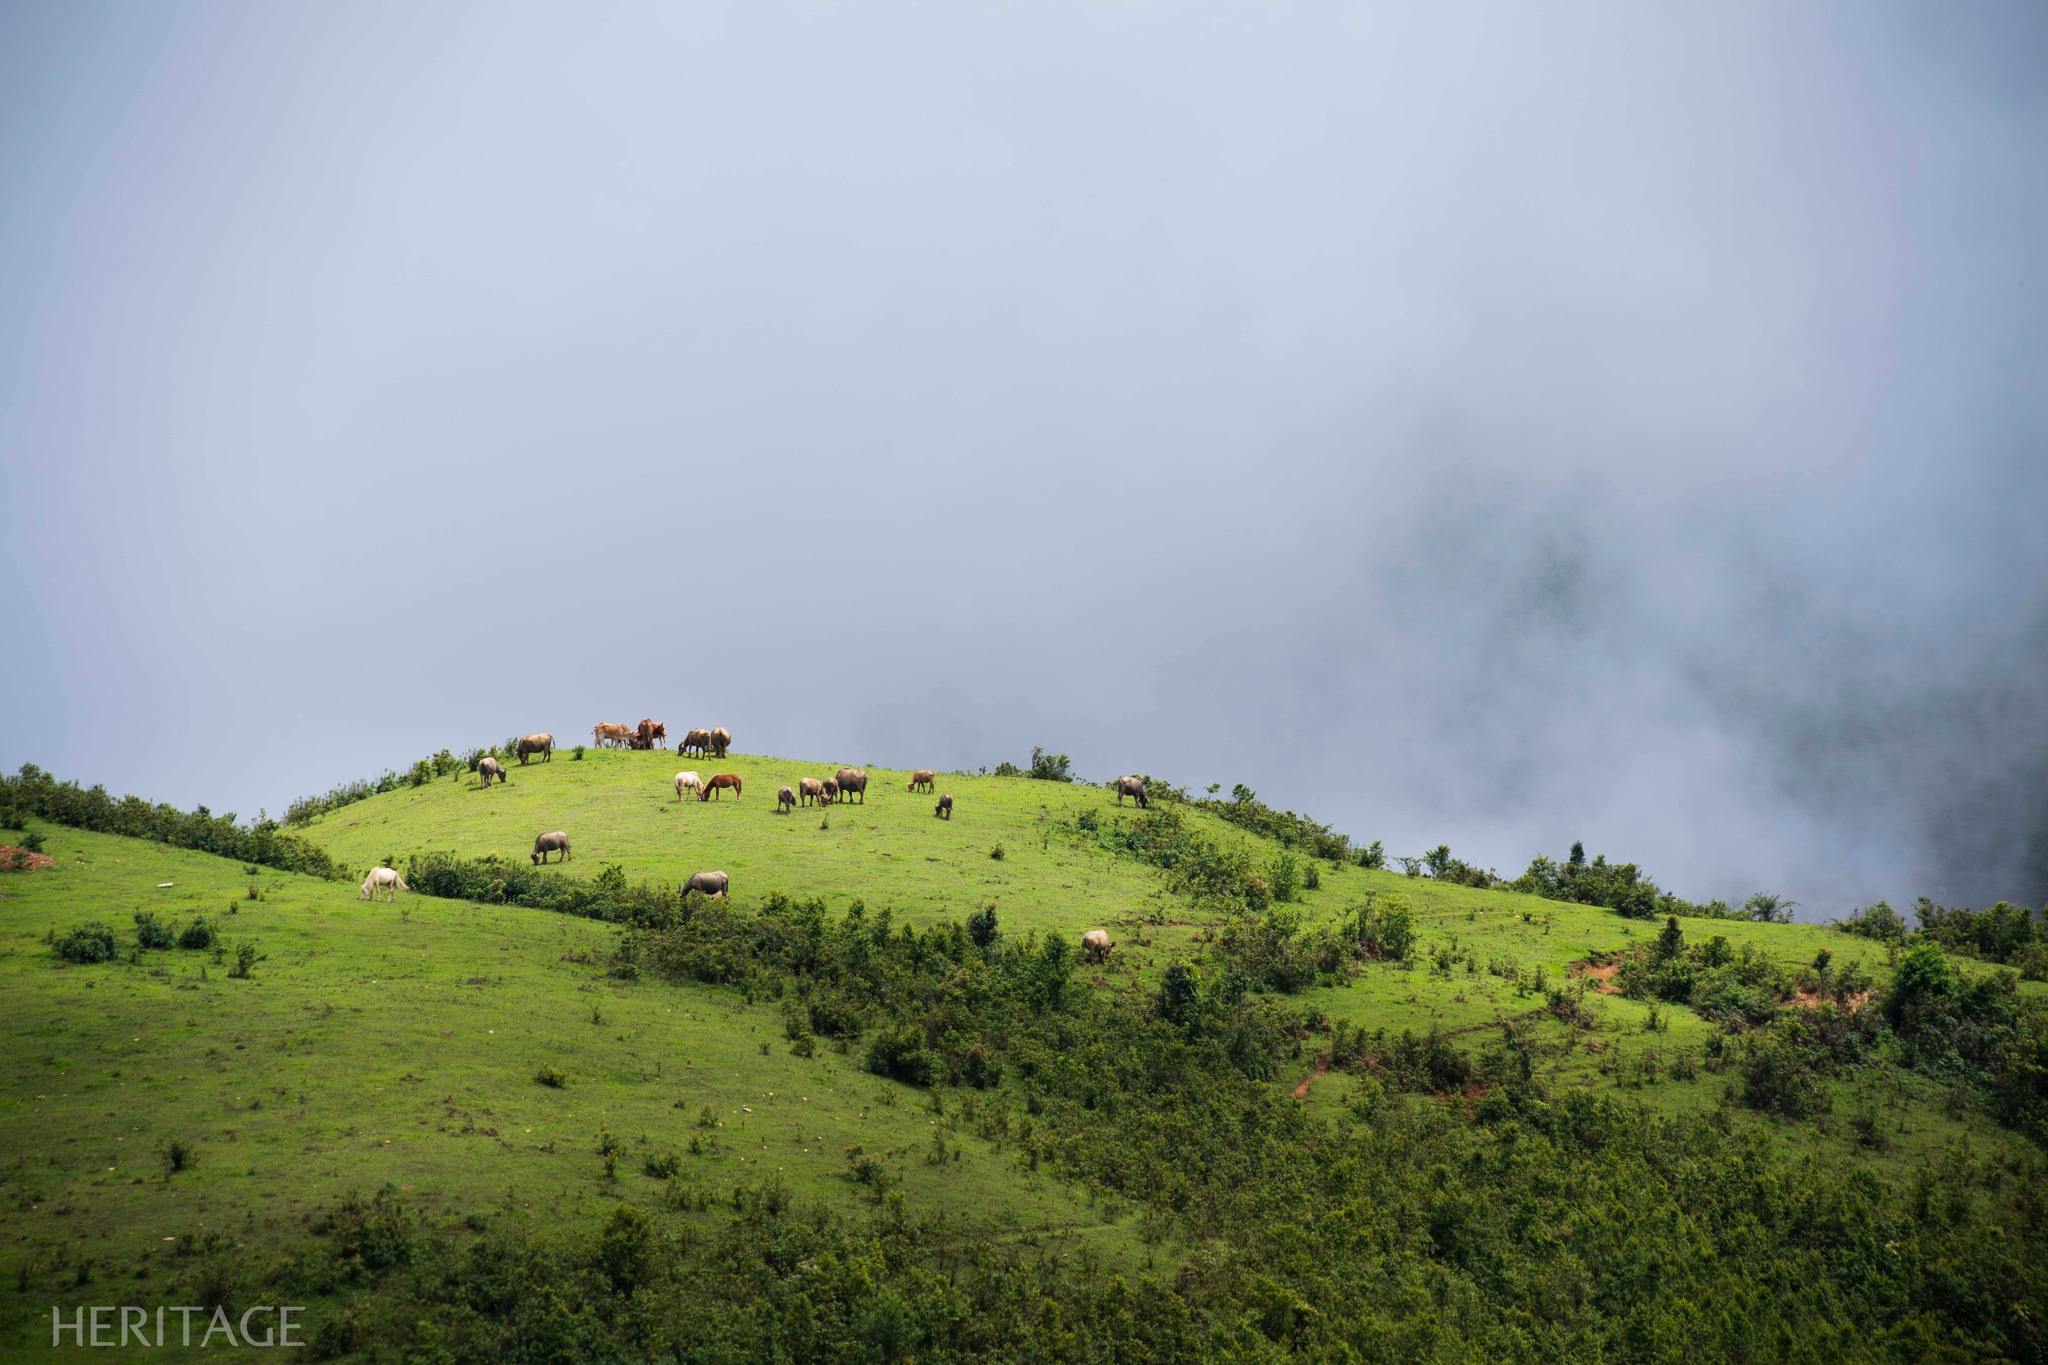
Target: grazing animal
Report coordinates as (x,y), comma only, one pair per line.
(639,742)
(688,782)
(605,732)
(944,810)
(813,790)
(557,842)
(1132,786)
(718,783)
(696,741)
(1097,945)
(785,801)
(828,791)
(488,768)
(651,734)
(537,744)
(385,879)
(721,740)
(708,883)
(853,780)
(923,778)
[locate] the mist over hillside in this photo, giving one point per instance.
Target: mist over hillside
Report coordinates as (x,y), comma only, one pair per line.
(1474,427)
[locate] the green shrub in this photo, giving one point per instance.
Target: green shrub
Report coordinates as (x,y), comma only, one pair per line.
(88,943)
(246,957)
(663,1166)
(31,842)
(151,932)
(550,1077)
(198,935)
(1050,767)
(176,1154)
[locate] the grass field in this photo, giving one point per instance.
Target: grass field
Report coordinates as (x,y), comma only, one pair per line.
(380,1044)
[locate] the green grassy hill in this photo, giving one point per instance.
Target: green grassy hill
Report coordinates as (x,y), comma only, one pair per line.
(398,1045)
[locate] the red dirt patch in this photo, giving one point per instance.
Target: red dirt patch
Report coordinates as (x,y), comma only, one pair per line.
(1808,1000)
(1600,971)
(1322,1070)
(20,860)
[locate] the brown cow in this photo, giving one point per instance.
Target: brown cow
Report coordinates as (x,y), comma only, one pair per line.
(645,733)
(721,740)
(785,801)
(852,780)
(1131,786)
(1097,945)
(537,744)
(696,741)
(718,783)
(944,810)
(813,790)
(605,732)
(923,778)
(557,842)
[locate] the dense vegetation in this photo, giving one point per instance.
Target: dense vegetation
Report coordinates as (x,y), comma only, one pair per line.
(1567,1226)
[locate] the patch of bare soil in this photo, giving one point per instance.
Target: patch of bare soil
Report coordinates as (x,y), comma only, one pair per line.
(21,860)
(1811,1000)
(1600,971)
(1322,1070)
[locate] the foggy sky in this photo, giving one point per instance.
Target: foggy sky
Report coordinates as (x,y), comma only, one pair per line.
(1496,425)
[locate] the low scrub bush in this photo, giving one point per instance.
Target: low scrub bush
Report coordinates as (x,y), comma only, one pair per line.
(88,943)
(150,932)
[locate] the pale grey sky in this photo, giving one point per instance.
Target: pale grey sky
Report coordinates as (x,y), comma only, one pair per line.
(1501,425)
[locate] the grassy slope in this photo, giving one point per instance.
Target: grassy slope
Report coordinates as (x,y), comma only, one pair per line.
(383,1041)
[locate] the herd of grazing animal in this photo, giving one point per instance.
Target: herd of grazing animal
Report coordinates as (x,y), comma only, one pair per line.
(848,785)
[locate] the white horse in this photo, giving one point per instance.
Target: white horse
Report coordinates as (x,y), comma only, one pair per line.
(385,879)
(688,782)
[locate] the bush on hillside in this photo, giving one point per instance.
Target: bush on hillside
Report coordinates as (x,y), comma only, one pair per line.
(87,944)
(199,935)
(150,932)
(1050,767)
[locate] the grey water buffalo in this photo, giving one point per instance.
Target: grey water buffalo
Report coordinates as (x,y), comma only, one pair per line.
(688,782)
(385,879)
(924,779)
(721,740)
(606,732)
(556,842)
(812,789)
(544,745)
(785,801)
(1132,786)
(695,741)
(718,783)
(1096,944)
(707,884)
(852,780)
(489,769)
(828,791)
(944,810)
